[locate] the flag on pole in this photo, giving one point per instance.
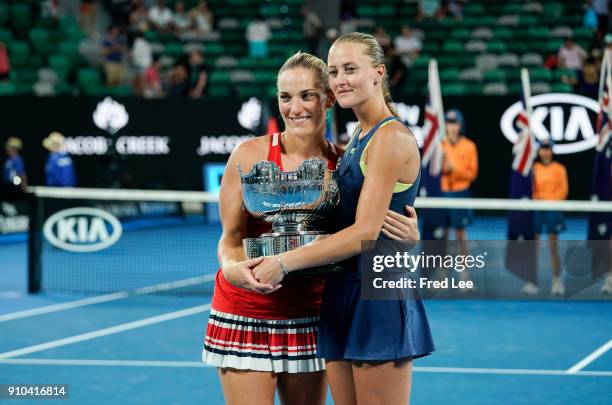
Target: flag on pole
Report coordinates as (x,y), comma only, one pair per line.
(520,255)
(600,223)
(434,131)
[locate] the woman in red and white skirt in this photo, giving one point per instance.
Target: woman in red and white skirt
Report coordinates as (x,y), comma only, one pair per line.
(262,337)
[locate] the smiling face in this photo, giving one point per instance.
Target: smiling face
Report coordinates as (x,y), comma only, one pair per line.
(302,102)
(352,77)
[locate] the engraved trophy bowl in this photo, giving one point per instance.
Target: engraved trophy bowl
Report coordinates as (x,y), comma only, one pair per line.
(292,201)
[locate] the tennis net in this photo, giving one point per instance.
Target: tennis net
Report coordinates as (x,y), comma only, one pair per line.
(109,240)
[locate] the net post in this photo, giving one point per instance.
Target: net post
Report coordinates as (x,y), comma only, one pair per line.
(35,211)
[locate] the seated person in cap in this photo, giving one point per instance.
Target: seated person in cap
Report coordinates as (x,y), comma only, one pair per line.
(59,170)
(550,183)
(14,179)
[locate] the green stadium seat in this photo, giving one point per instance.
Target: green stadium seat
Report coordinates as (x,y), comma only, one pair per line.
(246,91)
(582,33)
(474,9)
(19,52)
(40,40)
(174,49)
(422,61)
(430,47)
(453,89)
(21,17)
(88,78)
(63,88)
(460,34)
(540,74)
(496,75)
(560,73)
(553,9)
(503,34)
(122,91)
(265,77)
(61,65)
(514,88)
(219,91)
(562,88)
(6,36)
(452,46)
(496,47)
(473,88)
(449,75)
(220,77)
(8,89)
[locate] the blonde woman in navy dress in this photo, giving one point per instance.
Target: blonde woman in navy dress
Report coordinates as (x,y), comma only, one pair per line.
(368,345)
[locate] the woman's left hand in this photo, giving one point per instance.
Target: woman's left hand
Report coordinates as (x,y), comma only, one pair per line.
(400,227)
(269,271)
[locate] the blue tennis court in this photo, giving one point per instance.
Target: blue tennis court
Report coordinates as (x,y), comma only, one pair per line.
(146,348)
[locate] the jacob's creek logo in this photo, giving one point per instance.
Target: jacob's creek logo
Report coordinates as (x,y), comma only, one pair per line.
(82,229)
(110,116)
(564,118)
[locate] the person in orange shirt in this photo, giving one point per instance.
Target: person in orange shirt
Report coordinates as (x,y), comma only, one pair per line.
(550,183)
(459,170)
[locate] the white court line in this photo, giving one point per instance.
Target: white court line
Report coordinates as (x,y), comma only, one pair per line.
(107,298)
(590,358)
(105,332)
(197,364)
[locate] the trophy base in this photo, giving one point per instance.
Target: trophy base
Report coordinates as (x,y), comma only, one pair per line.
(270,244)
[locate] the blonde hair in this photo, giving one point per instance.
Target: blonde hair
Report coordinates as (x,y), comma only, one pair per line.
(377,56)
(310,62)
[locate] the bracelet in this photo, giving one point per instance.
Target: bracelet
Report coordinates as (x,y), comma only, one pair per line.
(282,265)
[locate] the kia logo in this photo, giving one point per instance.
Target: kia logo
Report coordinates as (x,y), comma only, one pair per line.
(569,127)
(82,229)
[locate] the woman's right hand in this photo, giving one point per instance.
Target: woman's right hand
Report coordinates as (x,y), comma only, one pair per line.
(240,275)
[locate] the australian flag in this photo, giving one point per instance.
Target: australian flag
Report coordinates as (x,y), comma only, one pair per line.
(600,223)
(521,255)
(432,220)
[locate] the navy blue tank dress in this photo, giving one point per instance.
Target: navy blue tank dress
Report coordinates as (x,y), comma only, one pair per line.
(361,330)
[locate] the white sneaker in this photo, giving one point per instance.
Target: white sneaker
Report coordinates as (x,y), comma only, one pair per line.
(557,287)
(530,289)
(607,287)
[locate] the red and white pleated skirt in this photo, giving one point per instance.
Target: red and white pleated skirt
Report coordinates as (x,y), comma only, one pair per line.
(278,346)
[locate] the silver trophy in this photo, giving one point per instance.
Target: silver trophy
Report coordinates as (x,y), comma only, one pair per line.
(292,201)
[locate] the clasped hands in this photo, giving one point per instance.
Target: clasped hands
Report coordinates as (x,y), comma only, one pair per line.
(264,274)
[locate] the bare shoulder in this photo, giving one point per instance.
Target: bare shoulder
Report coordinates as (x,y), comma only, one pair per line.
(249,152)
(397,136)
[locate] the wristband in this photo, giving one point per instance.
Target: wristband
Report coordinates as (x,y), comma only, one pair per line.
(282,265)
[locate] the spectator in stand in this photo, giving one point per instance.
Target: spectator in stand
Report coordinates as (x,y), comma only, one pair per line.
(550,184)
(198,75)
(202,18)
(455,9)
(427,9)
(87,17)
(59,170)
(398,73)
(587,79)
(383,38)
(114,49)
(571,55)
(181,20)
(603,14)
(142,58)
(407,46)
(257,35)
(161,17)
(152,80)
(14,178)
(590,19)
(5,65)
(178,80)
(139,17)
(331,34)
(312,28)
